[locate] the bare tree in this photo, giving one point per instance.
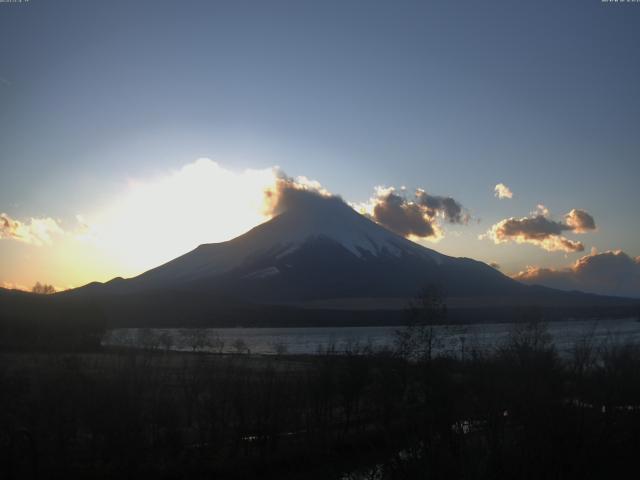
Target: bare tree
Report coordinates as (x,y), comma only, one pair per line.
(147,339)
(166,340)
(43,289)
(280,348)
(530,343)
(240,346)
(218,343)
(421,336)
(197,338)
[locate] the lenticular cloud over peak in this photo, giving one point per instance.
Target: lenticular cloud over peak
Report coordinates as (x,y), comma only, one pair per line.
(301,194)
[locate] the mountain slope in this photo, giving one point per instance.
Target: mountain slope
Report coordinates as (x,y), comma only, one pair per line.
(321,249)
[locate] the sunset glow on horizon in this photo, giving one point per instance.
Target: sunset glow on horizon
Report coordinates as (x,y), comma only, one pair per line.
(150,223)
(156,220)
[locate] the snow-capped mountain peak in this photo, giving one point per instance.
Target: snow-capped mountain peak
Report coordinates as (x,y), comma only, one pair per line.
(321,218)
(331,218)
(317,248)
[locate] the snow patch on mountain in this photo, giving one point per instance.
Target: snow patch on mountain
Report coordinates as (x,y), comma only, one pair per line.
(263,273)
(333,220)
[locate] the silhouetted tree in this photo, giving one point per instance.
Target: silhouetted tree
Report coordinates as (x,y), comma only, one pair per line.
(240,346)
(196,338)
(420,337)
(43,289)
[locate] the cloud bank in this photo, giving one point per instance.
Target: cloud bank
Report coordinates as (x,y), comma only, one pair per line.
(607,273)
(540,230)
(502,191)
(36,231)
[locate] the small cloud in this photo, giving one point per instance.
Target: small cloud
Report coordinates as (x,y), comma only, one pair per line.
(606,273)
(36,231)
(538,229)
(502,191)
(413,217)
(541,210)
(495,265)
(447,207)
(404,217)
(580,221)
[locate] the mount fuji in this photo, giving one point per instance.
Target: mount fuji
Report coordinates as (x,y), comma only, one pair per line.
(318,249)
(319,262)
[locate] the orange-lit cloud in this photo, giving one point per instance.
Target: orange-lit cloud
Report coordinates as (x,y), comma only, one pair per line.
(36,231)
(580,221)
(502,191)
(610,273)
(542,231)
(14,286)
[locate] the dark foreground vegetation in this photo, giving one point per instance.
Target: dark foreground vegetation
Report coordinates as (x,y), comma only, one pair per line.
(517,412)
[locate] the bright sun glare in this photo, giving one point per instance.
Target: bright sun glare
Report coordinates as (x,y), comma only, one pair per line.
(158,220)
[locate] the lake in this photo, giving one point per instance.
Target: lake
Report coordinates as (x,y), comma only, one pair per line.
(454,339)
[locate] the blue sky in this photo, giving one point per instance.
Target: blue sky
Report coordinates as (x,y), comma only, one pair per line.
(452,97)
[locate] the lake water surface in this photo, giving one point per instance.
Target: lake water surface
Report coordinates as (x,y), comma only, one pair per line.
(310,340)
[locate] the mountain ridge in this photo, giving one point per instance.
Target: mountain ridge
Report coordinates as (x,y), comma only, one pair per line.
(302,267)
(320,252)
(322,246)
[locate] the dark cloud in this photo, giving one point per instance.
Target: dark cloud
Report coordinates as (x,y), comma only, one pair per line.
(288,194)
(403,217)
(537,227)
(451,210)
(542,231)
(416,217)
(608,273)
